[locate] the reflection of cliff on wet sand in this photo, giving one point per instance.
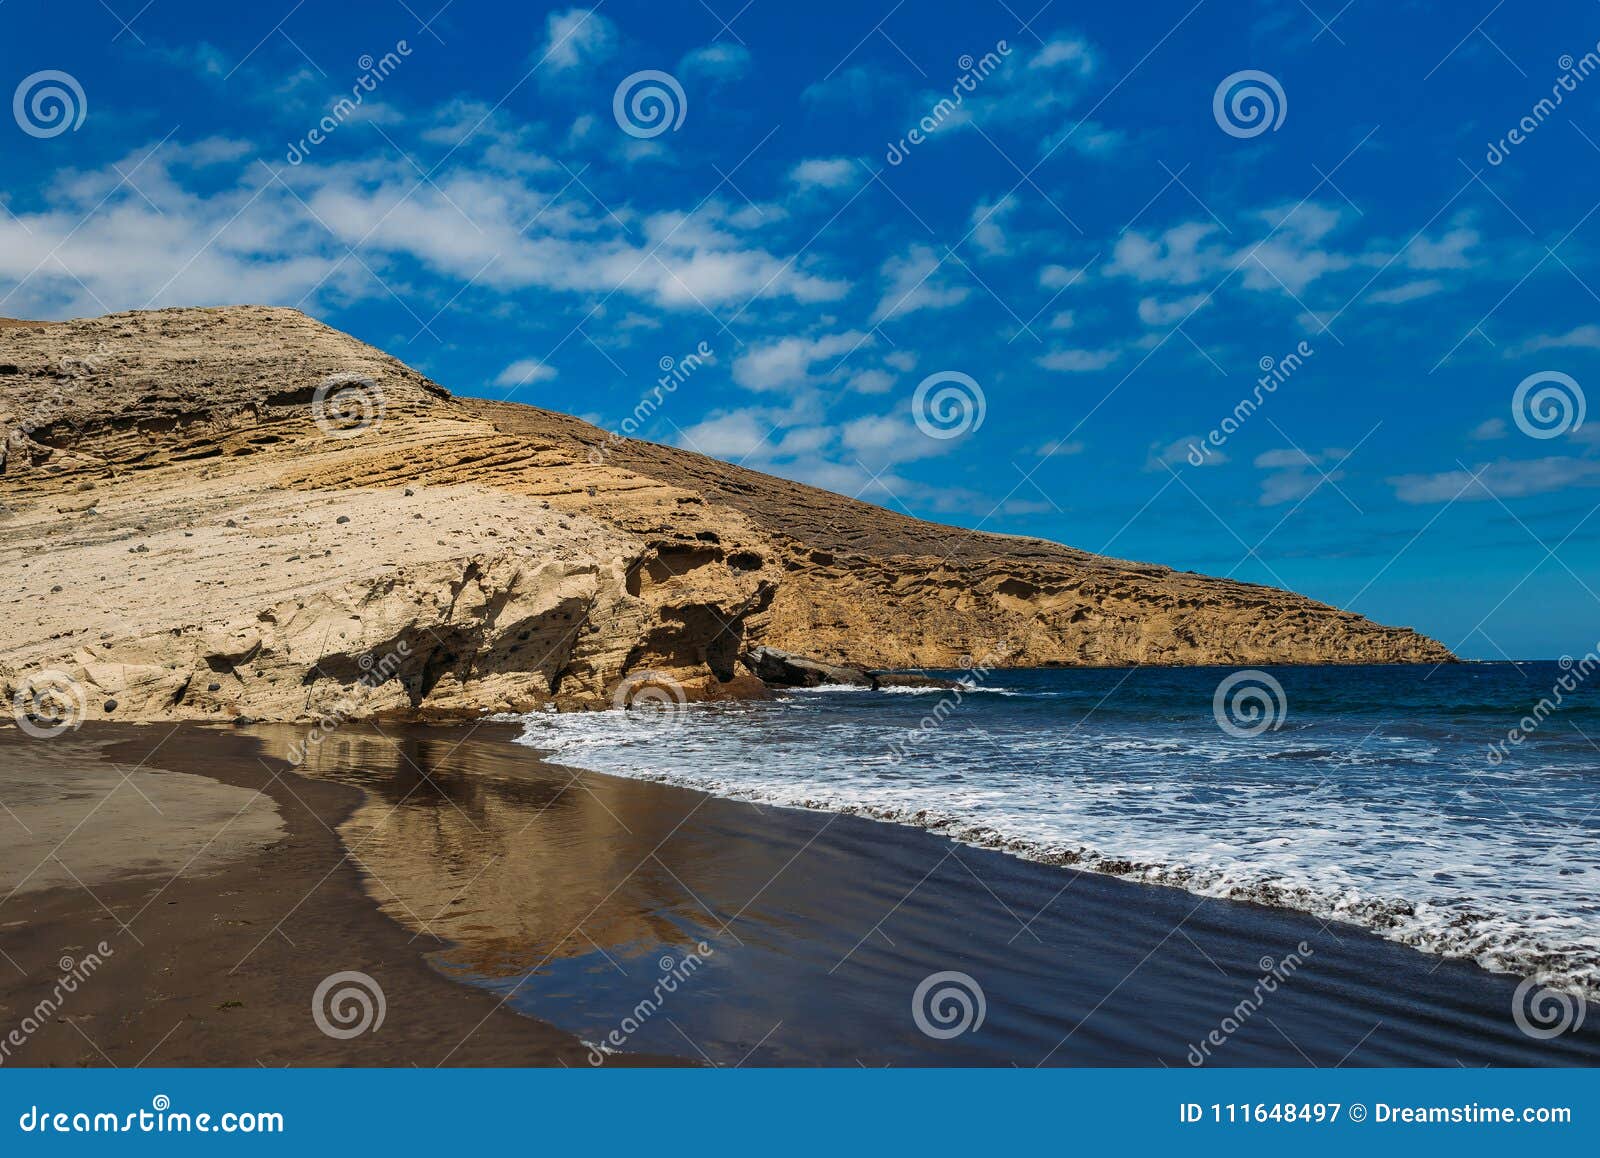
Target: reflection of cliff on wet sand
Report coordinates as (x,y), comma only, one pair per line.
(566,893)
(475,840)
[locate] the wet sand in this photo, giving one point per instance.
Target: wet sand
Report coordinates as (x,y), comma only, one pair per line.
(511,907)
(215,962)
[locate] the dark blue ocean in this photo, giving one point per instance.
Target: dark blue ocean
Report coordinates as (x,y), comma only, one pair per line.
(1454,809)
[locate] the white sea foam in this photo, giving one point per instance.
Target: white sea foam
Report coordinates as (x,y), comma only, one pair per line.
(1406,834)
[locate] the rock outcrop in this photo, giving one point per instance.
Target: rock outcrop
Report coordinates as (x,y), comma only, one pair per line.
(784,670)
(209,513)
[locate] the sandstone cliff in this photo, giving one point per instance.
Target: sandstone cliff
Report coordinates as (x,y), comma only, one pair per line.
(208,513)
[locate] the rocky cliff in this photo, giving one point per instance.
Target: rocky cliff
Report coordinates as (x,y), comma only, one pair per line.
(209,513)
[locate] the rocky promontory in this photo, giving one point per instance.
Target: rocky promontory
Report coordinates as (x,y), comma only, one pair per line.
(216,513)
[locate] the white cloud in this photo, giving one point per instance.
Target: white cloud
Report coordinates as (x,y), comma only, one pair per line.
(1296,250)
(1058,448)
(1153,312)
(525,372)
(1057,277)
(1488,430)
(824,173)
(916,280)
(735,436)
(1292,473)
(1584,337)
(259,239)
(1504,479)
(988,225)
(1076,54)
(716,62)
(1175,258)
(1076,361)
(872,382)
(882,439)
(1409,292)
(576,36)
(786,363)
(1179,451)
(1034,94)
(1447,252)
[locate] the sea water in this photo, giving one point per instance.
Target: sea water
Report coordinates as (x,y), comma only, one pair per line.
(1415,802)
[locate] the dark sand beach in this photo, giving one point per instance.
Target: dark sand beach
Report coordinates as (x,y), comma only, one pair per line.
(513,910)
(215,962)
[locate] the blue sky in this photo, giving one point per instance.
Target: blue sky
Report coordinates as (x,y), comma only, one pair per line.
(1102,243)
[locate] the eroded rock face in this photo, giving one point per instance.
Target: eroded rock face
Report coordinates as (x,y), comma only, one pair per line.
(215,513)
(784,669)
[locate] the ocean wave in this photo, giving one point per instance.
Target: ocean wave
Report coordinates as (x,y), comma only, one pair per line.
(1432,858)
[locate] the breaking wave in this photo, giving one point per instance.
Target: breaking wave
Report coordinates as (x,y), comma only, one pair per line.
(1388,820)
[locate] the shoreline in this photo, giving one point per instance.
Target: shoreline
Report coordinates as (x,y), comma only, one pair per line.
(1472,931)
(1376,916)
(220,968)
(482,885)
